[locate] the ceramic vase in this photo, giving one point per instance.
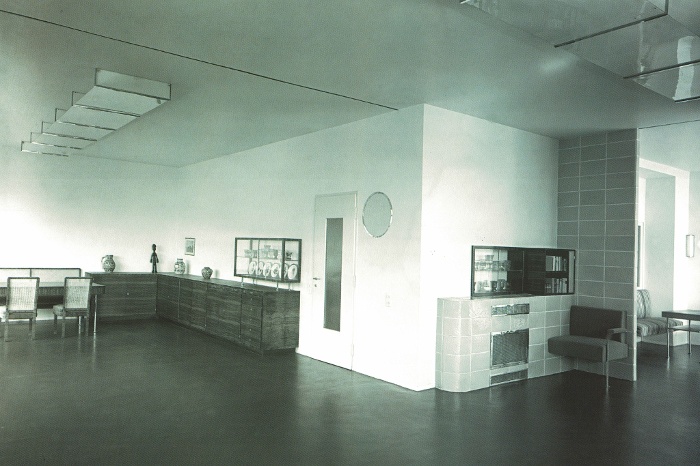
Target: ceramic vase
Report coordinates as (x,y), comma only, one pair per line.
(180,266)
(108,263)
(206,273)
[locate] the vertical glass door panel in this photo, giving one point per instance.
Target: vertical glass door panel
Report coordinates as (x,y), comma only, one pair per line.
(333,273)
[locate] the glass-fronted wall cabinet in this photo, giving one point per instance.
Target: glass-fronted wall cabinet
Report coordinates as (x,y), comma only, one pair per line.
(497,270)
(505,270)
(270,259)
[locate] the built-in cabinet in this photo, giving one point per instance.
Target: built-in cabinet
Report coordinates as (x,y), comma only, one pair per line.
(127,295)
(257,317)
(503,271)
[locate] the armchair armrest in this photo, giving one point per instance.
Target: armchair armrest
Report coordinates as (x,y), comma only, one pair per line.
(615,331)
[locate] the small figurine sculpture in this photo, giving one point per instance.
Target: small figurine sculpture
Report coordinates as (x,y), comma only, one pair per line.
(154,260)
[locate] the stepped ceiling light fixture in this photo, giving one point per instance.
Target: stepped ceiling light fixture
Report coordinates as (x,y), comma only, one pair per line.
(115,100)
(635,39)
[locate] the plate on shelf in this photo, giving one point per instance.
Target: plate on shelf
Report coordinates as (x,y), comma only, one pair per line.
(252,268)
(292,272)
(261,268)
(266,269)
(285,271)
(275,271)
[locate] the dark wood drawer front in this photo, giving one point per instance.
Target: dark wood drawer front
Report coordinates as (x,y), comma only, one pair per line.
(127,295)
(259,318)
(167,301)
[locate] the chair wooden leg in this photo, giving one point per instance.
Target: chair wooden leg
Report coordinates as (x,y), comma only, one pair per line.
(55,324)
(63,330)
(7,328)
(32,325)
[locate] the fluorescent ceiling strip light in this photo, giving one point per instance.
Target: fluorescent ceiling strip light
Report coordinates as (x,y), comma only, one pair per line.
(65,141)
(132,84)
(62,128)
(35,148)
(114,101)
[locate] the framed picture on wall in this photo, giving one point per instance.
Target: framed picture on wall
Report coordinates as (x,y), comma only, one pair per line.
(189,246)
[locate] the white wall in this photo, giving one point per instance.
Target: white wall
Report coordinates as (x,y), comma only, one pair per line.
(483,184)
(269,191)
(658,245)
(71,211)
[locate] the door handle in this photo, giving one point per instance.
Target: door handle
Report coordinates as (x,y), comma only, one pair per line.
(316,278)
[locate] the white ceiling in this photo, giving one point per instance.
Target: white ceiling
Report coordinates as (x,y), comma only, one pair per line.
(247,73)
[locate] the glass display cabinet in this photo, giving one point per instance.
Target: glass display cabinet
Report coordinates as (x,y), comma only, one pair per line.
(497,271)
(270,259)
(504,270)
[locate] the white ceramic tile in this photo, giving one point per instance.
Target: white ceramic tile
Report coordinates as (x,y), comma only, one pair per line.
(456,345)
(466,327)
(500,323)
(535,369)
(552,319)
(552,366)
(481,343)
(536,352)
(536,336)
(537,305)
(481,325)
(552,303)
(456,363)
(537,320)
(550,332)
(481,308)
(450,382)
(451,326)
(565,317)
(439,307)
(519,321)
(567,301)
(480,361)
(451,308)
(480,379)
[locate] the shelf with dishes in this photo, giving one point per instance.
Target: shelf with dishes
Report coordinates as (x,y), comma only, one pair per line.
(269,259)
(507,270)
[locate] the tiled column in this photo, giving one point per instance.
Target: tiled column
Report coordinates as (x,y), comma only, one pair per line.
(597,217)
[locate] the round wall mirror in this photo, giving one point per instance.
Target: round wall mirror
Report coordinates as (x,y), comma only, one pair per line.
(377,213)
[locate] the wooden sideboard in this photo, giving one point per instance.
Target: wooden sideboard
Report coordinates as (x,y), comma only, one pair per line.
(258,317)
(127,295)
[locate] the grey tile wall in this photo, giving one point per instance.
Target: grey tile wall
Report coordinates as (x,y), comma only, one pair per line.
(597,196)
(597,217)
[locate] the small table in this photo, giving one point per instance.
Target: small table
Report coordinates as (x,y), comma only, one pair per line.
(55,290)
(689,315)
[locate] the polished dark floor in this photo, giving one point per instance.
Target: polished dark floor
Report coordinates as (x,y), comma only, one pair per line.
(151,392)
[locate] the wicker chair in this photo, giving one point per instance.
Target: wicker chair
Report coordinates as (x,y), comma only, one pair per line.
(22,298)
(76,303)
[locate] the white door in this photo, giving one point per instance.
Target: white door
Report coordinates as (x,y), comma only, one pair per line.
(334,277)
